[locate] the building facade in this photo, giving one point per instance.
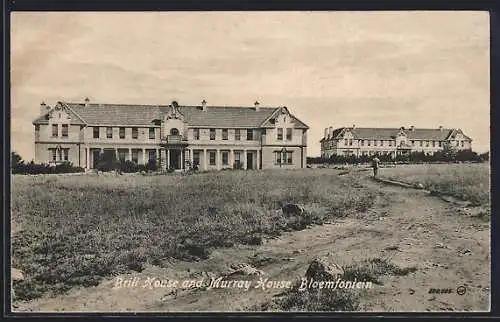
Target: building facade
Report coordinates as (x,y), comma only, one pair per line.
(390,141)
(173,136)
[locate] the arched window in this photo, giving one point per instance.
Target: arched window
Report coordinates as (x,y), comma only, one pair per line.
(174,131)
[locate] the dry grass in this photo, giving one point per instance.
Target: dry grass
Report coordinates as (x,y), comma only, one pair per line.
(76,230)
(469,182)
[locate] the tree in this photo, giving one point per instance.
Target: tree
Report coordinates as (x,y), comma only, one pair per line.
(15,159)
(449,151)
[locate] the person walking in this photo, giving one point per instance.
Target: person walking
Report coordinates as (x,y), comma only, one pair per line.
(375,165)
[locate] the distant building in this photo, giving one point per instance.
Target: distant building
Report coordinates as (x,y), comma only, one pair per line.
(172,135)
(390,141)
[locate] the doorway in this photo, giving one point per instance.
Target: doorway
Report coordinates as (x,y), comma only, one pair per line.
(249,160)
(95,158)
(175,159)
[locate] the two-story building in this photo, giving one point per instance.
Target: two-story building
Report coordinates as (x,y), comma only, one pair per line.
(390,141)
(172,135)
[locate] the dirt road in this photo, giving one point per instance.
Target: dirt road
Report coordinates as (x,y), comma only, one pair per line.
(412,228)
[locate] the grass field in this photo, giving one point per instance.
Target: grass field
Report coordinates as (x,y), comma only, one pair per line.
(469,182)
(75,230)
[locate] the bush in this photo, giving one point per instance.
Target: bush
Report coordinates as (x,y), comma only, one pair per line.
(33,168)
(447,154)
(238,166)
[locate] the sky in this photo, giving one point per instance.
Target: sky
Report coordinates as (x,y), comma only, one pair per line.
(368,69)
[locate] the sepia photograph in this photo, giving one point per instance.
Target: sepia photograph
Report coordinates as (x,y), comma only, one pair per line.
(250,161)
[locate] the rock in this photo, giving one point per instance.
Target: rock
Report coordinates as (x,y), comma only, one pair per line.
(440,245)
(17,274)
(323,269)
(245,269)
(419,186)
(292,210)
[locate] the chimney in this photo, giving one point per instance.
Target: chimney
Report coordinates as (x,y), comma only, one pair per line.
(330,131)
(204,105)
(441,128)
(87,102)
(326,132)
(44,108)
(353,126)
(256,104)
(412,128)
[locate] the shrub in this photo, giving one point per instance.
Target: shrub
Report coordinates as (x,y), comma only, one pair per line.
(33,168)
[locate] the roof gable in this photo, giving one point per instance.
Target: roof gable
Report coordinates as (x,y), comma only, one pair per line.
(60,106)
(269,122)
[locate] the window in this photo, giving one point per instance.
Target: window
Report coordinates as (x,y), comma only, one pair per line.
(462,144)
(440,144)
(196,134)
(427,143)
(375,143)
(109,132)
(152,133)
(135,133)
(212,157)
(59,154)
(362,142)
(225,158)
(64,131)
(421,143)
(237,134)
(279,134)
(122,133)
(346,142)
(390,143)
(122,154)
(55,130)
(196,157)
(212,134)
(433,143)
(237,158)
(53,154)
(224,134)
(350,141)
(277,157)
(288,159)
(413,142)
(152,155)
(289,134)
(249,134)
(135,156)
(381,142)
(174,131)
(369,143)
(96,132)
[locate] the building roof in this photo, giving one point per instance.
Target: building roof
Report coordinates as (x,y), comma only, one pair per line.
(137,115)
(391,133)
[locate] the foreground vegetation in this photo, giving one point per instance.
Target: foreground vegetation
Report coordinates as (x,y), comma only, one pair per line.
(470,182)
(329,299)
(70,231)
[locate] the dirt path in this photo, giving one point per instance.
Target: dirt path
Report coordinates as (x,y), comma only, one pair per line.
(408,226)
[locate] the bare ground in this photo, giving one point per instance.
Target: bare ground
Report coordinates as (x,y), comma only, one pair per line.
(449,247)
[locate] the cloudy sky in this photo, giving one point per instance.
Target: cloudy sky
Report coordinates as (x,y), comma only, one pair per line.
(386,69)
